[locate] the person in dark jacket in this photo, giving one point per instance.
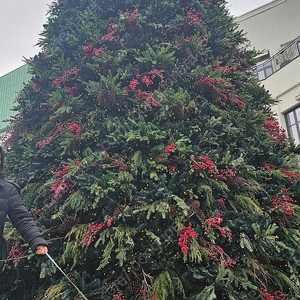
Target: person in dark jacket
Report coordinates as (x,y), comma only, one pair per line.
(11,205)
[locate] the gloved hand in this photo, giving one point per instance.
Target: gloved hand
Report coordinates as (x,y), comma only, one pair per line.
(41,250)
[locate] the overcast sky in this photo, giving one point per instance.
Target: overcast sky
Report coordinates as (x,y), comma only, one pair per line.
(21,22)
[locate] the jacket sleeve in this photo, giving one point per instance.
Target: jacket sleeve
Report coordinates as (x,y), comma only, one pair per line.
(23,221)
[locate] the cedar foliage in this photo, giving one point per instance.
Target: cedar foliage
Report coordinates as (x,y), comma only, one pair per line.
(150,158)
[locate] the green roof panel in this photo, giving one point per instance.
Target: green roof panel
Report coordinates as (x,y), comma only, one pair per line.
(10,85)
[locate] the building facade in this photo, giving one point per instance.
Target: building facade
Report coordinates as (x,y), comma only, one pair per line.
(274,29)
(10,85)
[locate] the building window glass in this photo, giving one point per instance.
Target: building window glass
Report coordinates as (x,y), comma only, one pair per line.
(293,124)
(264,69)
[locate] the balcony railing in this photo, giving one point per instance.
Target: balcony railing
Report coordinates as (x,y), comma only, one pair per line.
(265,69)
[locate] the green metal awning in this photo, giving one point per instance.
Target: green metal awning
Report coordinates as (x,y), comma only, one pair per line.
(10,85)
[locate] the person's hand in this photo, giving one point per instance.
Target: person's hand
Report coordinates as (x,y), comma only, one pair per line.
(41,250)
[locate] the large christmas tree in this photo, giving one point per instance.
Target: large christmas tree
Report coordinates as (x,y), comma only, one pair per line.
(150,158)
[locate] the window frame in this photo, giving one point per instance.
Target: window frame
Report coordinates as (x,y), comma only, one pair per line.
(263,66)
(297,123)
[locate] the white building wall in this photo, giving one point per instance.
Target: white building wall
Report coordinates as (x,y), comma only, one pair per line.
(273,25)
(270,28)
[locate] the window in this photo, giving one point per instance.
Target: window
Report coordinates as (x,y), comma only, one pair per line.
(293,124)
(264,69)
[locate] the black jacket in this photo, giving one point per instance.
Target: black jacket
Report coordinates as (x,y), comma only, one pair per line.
(12,205)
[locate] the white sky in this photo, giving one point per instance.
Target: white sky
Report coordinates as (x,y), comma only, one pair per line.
(21,22)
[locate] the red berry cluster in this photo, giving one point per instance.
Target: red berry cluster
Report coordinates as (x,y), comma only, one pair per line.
(225,85)
(292,177)
(221,201)
(193,17)
(224,174)
(277,295)
(157,73)
(61,185)
(237,101)
(117,297)
(131,15)
(203,163)
(65,170)
(93,229)
(71,90)
(170,148)
(284,202)
(148,97)
(74,127)
(109,221)
(15,252)
(147,80)
(217,253)
(228,69)
(111,35)
(58,81)
(268,166)
(49,139)
(215,222)
(224,70)
(12,131)
(46,141)
(172,170)
(77,161)
(71,127)
(276,133)
(133,84)
(186,232)
(90,50)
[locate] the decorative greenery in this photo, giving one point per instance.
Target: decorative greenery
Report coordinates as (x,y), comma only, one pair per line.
(149,156)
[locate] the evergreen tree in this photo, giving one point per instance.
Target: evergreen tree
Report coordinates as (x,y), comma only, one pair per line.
(149,155)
